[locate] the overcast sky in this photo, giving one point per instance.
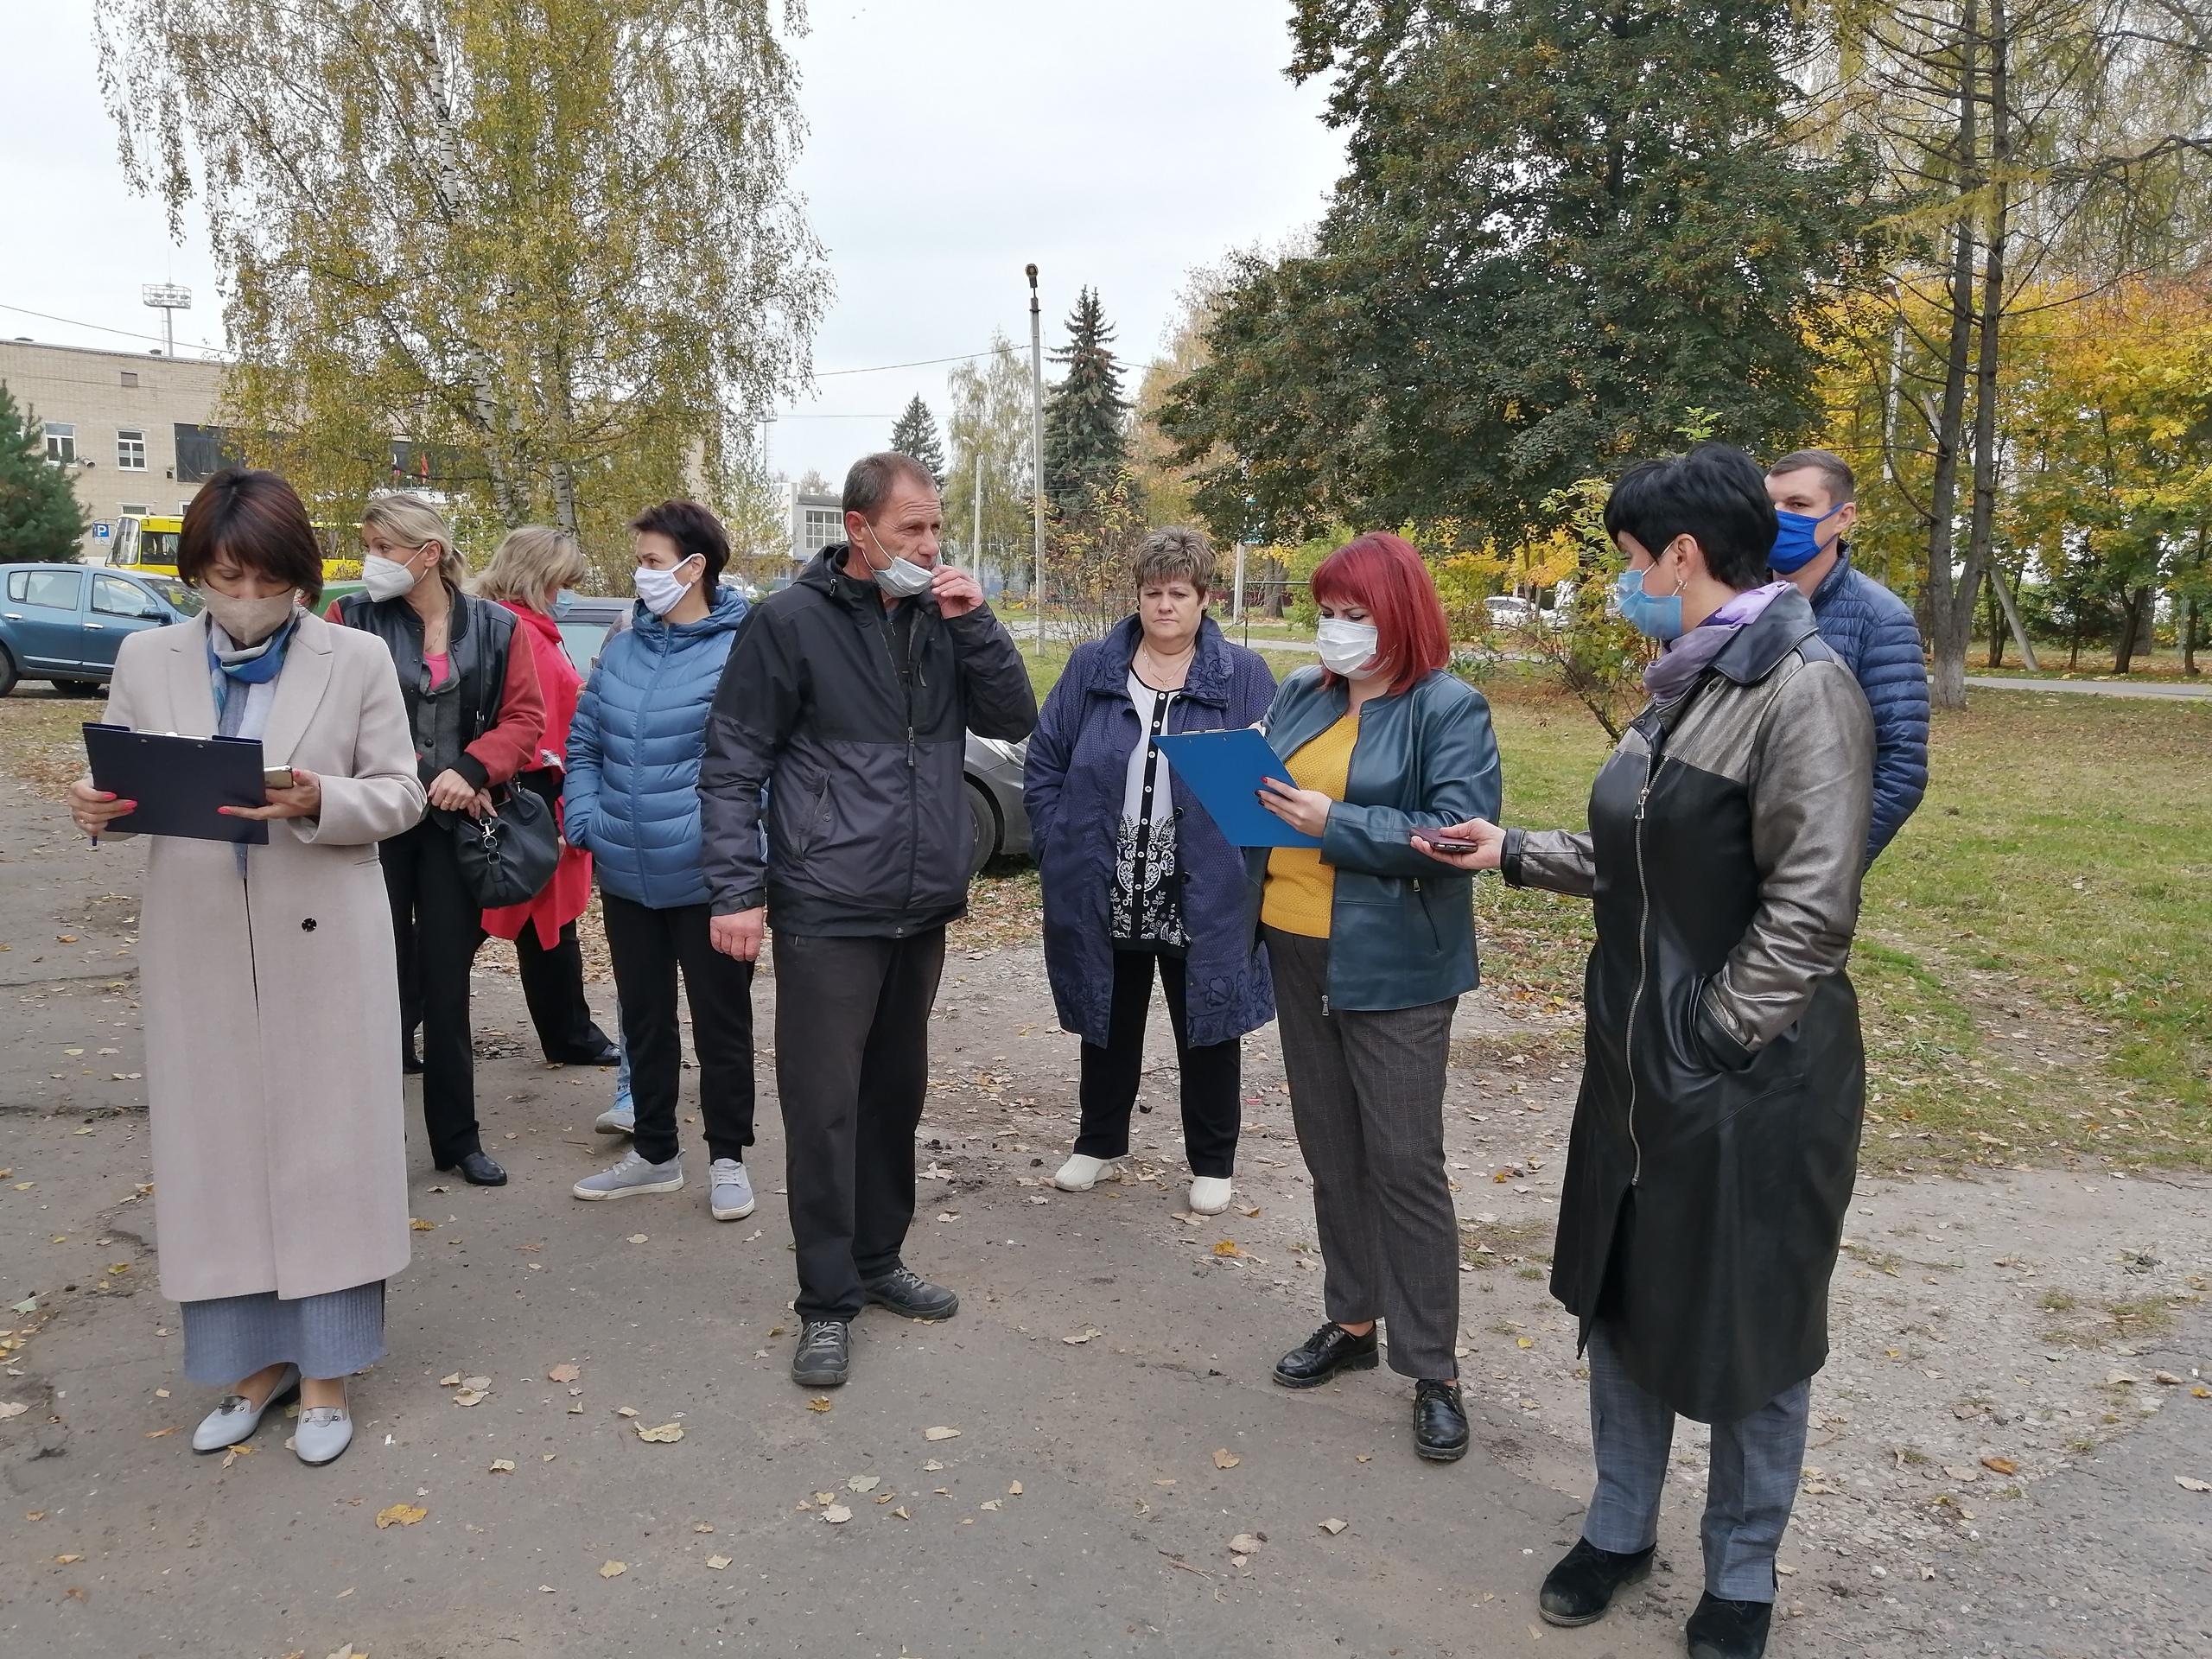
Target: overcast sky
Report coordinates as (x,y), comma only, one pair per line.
(951,144)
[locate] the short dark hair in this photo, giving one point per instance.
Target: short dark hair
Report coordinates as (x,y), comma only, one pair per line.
(1717,493)
(697,533)
(1843,483)
(869,486)
(1175,551)
(259,520)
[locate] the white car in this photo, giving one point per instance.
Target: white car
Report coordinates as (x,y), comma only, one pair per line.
(1510,611)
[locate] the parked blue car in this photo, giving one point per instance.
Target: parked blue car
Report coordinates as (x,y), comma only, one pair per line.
(64,622)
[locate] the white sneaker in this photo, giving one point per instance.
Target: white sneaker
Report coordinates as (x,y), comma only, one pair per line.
(1209,1194)
(630,1176)
(729,1190)
(1081,1173)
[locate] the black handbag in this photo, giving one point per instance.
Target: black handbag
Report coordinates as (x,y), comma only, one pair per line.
(507,855)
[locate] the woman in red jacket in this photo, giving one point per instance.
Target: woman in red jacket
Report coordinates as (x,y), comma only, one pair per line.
(526,576)
(478,719)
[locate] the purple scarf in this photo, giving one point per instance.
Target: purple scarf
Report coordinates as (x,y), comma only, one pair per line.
(1686,658)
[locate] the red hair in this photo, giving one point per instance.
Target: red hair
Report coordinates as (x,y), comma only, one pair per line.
(1384,576)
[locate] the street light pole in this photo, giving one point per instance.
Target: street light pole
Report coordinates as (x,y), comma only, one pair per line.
(976,536)
(1036,450)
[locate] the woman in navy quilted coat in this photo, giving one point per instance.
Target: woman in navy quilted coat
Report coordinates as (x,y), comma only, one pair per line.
(632,801)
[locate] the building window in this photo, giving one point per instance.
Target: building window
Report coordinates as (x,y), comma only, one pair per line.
(820,527)
(131,377)
(134,510)
(130,449)
(60,443)
(201,452)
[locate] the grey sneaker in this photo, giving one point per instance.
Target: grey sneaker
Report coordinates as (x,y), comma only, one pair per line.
(906,1293)
(620,1118)
(632,1176)
(729,1190)
(824,1356)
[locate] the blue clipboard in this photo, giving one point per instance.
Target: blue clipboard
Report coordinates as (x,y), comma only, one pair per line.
(1223,770)
(178,782)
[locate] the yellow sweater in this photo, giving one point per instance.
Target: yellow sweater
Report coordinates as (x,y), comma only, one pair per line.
(1300,887)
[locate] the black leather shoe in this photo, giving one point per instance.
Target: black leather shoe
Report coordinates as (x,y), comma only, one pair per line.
(1440,1422)
(1728,1630)
(1580,1589)
(605,1053)
(824,1358)
(477,1170)
(1321,1356)
(909,1295)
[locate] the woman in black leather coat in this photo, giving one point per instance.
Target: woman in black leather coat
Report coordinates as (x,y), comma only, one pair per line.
(1716,1137)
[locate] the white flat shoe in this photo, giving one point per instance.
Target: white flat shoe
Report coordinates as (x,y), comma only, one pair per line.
(236,1418)
(1081,1173)
(1209,1194)
(323,1433)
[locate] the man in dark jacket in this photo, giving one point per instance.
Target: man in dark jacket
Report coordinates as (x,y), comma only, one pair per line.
(1863,622)
(851,695)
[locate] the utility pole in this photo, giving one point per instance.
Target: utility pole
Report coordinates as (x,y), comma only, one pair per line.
(168,299)
(1036,450)
(976,536)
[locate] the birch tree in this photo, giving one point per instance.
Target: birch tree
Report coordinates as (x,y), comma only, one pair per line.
(550,242)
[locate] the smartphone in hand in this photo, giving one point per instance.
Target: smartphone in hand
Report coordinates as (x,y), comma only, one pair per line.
(278,778)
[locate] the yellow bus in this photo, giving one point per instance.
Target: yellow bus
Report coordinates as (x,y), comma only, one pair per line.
(148,546)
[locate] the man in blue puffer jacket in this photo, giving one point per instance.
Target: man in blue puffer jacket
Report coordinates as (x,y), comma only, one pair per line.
(632,800)
(1863,622)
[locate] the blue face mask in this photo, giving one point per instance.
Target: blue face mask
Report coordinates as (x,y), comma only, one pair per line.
(1647,613)
(1796,543)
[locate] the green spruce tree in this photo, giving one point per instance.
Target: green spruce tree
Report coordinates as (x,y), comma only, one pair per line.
(1561,227)
(1086,418)
(41,518)
(914,433)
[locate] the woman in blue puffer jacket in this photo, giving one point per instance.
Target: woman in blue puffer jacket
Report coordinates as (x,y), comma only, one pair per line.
(632,801)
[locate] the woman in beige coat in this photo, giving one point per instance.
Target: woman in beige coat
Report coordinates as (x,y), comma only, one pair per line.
(272,1013)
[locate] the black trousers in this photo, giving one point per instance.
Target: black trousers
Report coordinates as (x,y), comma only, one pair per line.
(852,1067)
(553,985)
(437,926)
(649,946)
(1112,1074)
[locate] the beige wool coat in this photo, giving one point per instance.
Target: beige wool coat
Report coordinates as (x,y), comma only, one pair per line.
(271,1006)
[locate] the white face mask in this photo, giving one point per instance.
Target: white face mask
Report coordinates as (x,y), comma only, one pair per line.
(248,621)
(901,578)
(386,578)
(661,590)
(1347,648)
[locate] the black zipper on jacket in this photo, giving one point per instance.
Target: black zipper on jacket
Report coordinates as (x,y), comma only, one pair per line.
(1642,961)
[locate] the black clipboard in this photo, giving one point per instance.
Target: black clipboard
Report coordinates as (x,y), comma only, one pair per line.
(178,782)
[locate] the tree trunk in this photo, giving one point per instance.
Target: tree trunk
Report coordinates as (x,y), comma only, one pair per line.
(2135,630)
(1949,627)
(1993,619)
(2189,641)
(1981,524)
(2002,585)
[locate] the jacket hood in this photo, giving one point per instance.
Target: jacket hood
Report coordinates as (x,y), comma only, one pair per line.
(824,571)
(728,611)
(1207,682)
(1779,629)
(535,620)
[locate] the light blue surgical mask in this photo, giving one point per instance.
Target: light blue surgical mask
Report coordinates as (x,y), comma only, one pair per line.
(1647,613)
(1797,542)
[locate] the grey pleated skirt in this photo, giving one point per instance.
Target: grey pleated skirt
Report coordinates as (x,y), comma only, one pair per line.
(332,1335)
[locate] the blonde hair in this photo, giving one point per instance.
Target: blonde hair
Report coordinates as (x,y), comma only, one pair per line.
(532,563)
(412,522)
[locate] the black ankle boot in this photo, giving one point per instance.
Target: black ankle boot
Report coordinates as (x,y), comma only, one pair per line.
(1580,1589)
(1728,1630)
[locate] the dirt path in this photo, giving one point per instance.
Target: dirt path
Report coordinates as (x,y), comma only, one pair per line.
(1983,1321)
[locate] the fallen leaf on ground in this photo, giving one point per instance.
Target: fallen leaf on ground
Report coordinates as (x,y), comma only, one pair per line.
(932,1465)
(1333,1526)
(563,1374)
(481,1385)
(156,1434)
(1224,1459)
(468,1396)
(820,1402)
(64,1561)
(990,1503)
(1167,1481)
(1962,1472)
(718,1563)
(1088,1334)
(1227,1247)
(638,1238)
(625,1411)
(450,1382)
(903,1513)
(1525,1342)
(2000,1465)
(837,1514)
(1015,1491)
(502,1465)
(422,1226)
(703,1527)
(11,1408)
(2187,1484)
(613,1569)
(940,1434)
(2167,1378)
(1245,1543)
(400,1515)
(864,1483)
(667,1434)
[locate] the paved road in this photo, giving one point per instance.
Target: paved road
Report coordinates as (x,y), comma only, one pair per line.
(2093,688)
